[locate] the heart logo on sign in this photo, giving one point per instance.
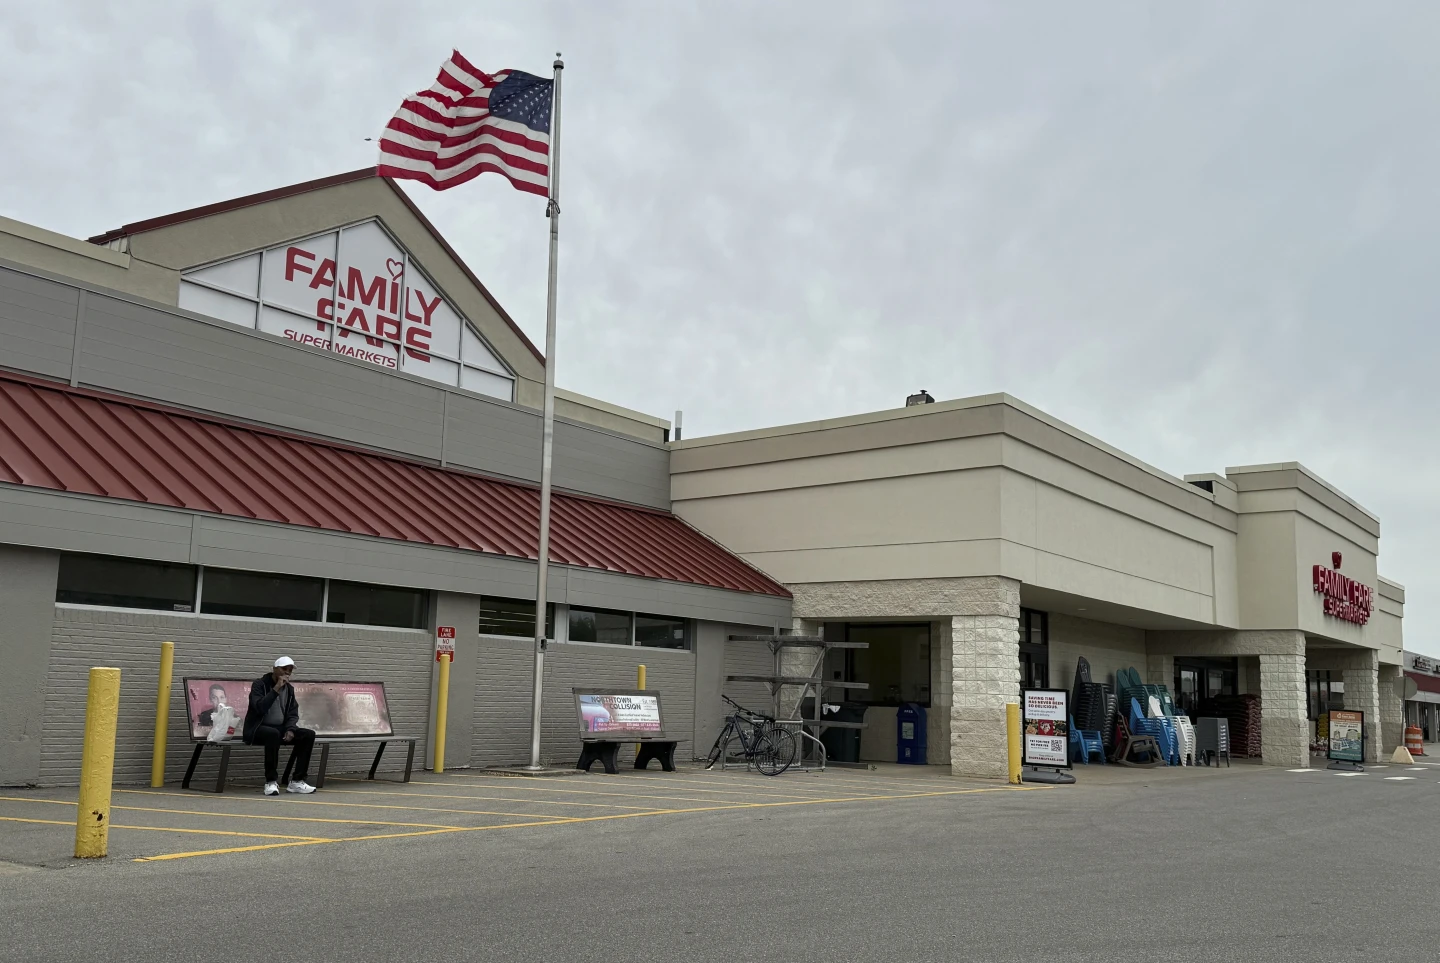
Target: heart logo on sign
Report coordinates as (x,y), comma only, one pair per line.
(397,268)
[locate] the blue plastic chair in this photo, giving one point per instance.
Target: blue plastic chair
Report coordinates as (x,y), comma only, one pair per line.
(1083,742)
(1159,728)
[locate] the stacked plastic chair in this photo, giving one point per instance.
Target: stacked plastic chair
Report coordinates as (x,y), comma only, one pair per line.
(1185,733)
(1160,728)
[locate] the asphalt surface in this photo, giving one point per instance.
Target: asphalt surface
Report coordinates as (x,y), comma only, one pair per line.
(1248,864)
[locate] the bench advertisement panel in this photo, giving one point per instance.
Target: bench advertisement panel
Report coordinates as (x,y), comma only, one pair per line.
(330,708)
(618,712)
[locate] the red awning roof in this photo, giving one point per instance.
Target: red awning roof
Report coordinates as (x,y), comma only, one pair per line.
(74,440)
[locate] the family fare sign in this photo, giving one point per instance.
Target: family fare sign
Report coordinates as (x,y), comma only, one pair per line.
(355,292)
(360,301)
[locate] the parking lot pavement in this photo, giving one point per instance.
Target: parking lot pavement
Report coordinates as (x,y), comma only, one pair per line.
(170,823)
(1248,863)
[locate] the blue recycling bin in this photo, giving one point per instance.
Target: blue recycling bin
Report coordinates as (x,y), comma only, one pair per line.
(910,738)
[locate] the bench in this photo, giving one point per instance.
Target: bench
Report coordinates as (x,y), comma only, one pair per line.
(340,713)
(610,718)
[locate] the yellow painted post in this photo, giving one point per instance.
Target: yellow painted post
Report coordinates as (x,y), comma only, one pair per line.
(639,684)
(1012,732)
(97,763)
(442,708)
(162,715)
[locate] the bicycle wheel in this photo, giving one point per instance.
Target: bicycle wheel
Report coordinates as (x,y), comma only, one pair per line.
(717,750)
(786,738)
(774,751)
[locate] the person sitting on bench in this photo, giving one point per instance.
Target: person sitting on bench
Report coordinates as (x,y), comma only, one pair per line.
(273,718)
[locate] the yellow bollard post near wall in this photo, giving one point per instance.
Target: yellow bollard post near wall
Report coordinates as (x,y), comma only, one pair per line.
(442,709)
(162,715)
(1012,740)
(97,764)
(639,684)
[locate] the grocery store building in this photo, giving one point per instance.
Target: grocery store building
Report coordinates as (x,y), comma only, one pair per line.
(297,423)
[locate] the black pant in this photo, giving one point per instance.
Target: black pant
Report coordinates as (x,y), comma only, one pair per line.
(270,738)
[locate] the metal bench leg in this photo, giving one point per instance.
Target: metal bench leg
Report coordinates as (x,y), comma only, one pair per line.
(324,758)
(194,758)
(376,764)
(409,760)
(224,768)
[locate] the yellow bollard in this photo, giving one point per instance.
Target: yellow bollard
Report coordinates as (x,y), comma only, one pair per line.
(1012,732)
(162,715)
(97,764)
(442,708)
(639,684)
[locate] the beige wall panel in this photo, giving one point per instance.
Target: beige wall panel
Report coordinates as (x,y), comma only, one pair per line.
(953,506)
(1087,580)
(1072,527)
(1108,648)
(1265,563)
(1200,519)
(1294,500)
(954,454)
(879,562)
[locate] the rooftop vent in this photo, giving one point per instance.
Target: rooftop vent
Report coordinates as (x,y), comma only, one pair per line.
(922,397)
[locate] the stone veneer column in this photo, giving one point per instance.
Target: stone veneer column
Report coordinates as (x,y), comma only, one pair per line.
(1284,730)
(1392,709)
(985,661)
(1362,693)
(942,685)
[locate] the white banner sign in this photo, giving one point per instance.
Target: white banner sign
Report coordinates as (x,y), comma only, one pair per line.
(1045,727)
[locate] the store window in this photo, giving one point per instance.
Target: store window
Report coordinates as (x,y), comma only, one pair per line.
(895,666)
(598,625)
(658,632)
(1034,649)
(259,596)
(354,603)
(513,617)
(125,583)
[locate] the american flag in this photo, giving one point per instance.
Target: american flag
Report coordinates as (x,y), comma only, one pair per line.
(469,122)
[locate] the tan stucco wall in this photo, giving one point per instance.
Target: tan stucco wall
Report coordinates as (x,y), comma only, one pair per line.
(984,487)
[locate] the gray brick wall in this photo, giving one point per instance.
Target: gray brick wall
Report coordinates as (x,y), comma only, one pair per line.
(503,684)
(227,648)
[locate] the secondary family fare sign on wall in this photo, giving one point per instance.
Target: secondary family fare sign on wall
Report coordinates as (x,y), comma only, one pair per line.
(1046,730)
(357,293)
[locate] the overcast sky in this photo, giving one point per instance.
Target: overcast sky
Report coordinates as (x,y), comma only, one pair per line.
(1205,233)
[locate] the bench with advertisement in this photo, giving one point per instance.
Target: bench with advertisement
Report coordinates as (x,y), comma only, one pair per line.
(609,718)
(339,712)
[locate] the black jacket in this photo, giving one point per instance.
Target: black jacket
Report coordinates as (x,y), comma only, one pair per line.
(262,695)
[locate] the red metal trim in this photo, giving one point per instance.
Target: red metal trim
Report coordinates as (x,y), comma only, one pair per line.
(83,441)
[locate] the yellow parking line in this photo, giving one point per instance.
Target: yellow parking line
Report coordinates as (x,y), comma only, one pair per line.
(201,812)
(526,784)
(348,792)
(589,819)
(392,792)
(301,840)
(744,788)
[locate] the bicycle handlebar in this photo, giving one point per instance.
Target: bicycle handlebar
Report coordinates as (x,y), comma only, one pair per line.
(749,713)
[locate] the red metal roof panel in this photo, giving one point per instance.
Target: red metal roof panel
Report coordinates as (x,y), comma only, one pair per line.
(74,440)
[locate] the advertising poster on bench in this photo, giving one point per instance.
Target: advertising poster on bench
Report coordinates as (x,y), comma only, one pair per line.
(330,708)
(618,712)
(1045,733)
(1347,736)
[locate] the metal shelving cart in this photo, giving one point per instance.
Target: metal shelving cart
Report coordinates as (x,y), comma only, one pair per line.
(810,686)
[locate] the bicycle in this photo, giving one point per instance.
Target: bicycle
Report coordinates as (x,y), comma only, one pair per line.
(769,747)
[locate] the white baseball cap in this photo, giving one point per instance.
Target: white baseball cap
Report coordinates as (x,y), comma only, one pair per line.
(284,660)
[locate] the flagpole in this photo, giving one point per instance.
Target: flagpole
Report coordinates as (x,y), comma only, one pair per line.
(552,211)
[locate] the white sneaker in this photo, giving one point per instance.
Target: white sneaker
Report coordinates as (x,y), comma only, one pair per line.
(299,785)
(271,789)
